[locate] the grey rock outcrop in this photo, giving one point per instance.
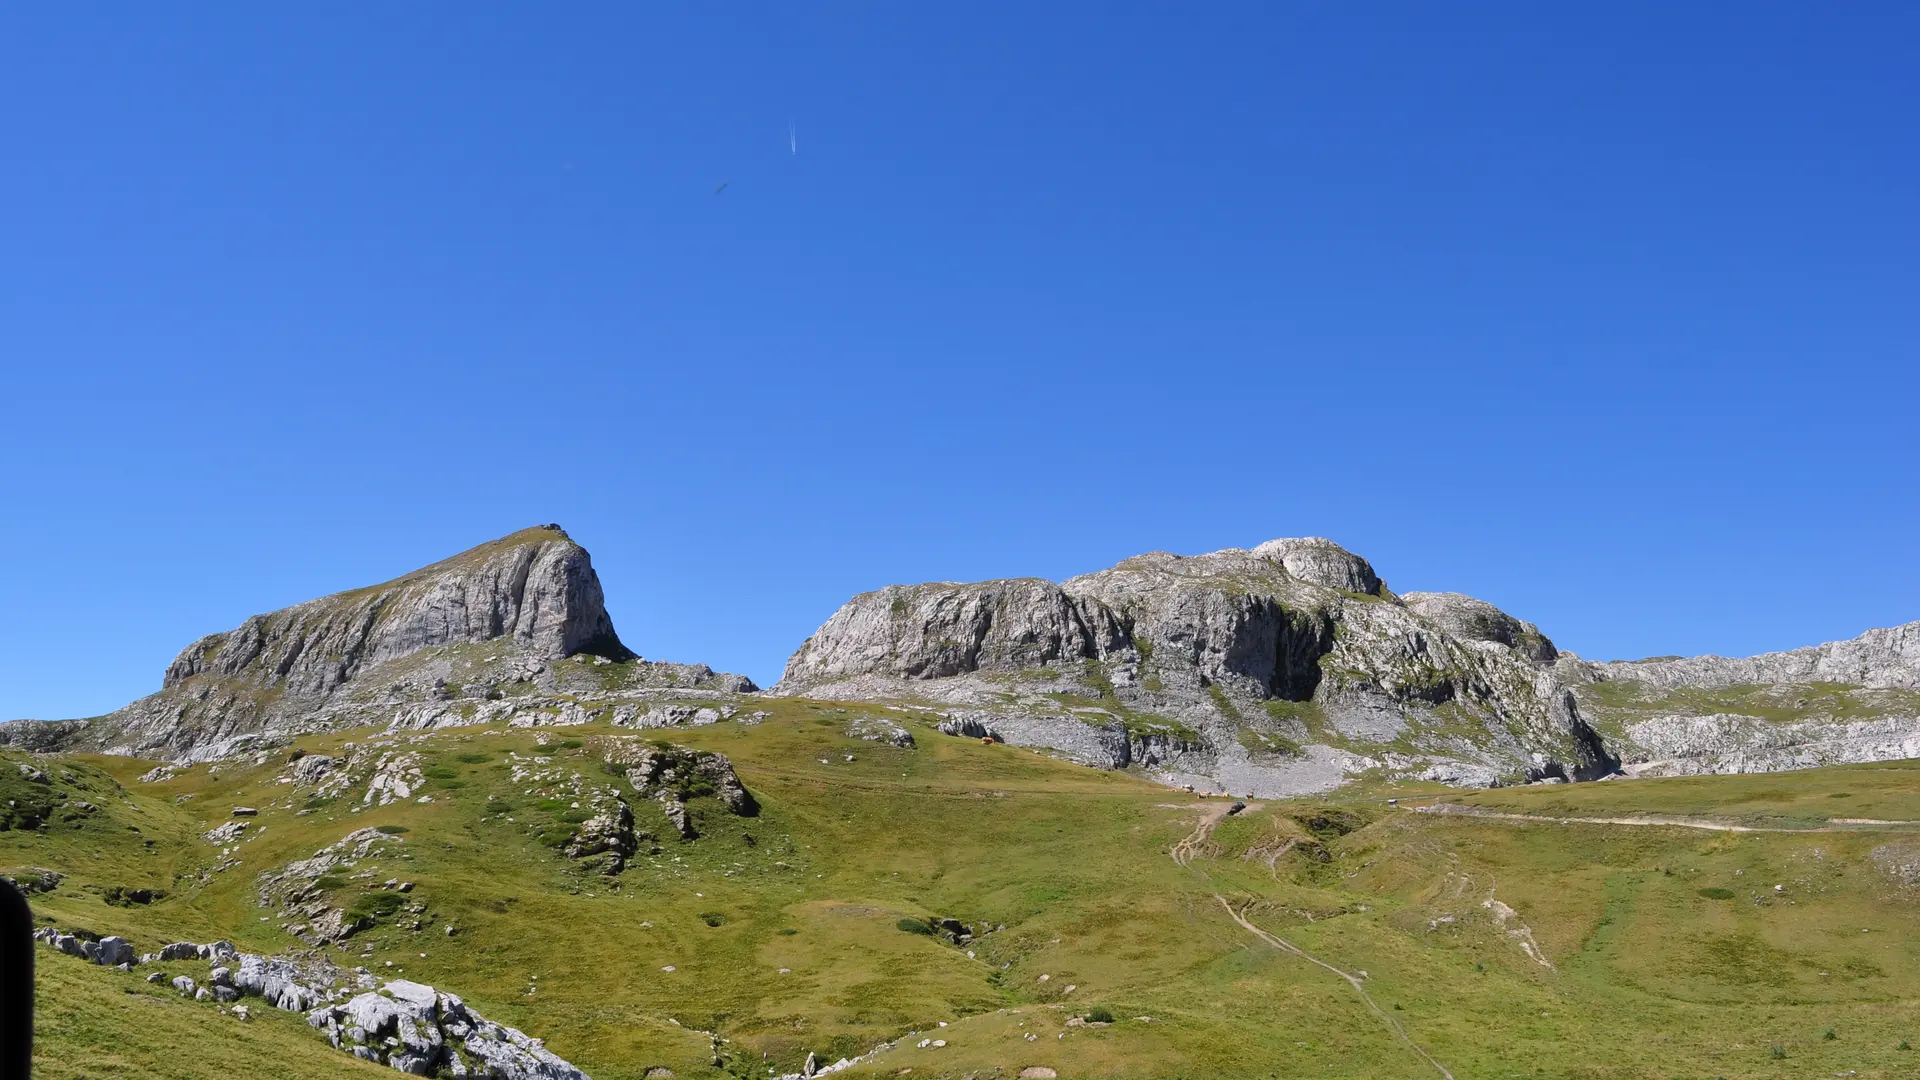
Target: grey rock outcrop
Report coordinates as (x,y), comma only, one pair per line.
(606,840)
(421,1031)
(311,769)
(113,951)
(1887,658)
(36,880)
(536,587)
(1681,745)
(1840,703)
(1476,620)
(1291,666)
(938,630)
(408,1026)
(880,729)
(296,888)
(676,775)
(1103,742)
(1186,665)
(281,982)
(464,641)
(43,736)
(1317,560)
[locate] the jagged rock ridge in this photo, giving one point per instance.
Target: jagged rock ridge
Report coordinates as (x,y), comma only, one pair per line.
(513,629)
(1291,666)
(536,587)
(1881,659)
(1287,667)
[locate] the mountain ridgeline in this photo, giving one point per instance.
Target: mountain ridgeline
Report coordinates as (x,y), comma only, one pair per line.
(490,633)
(1285,668)
(1292,666)
(536,588)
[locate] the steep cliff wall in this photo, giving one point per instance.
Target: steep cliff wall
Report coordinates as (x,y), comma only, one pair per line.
(480,636)
(1245,660)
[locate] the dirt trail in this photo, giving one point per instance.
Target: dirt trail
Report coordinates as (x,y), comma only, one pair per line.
(1199,842)
(1653,820)
(1272,856)
(1354,981)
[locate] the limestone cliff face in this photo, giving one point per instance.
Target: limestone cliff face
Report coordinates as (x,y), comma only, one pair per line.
(1284,668)
(536,588)
(1224,656)
(1843,702)
(1887,658)
(1232,617)
(1476,620)
(1291,666)
(515,629)
(937,630)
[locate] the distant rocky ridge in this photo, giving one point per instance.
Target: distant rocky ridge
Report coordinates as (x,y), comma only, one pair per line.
(1284,668)
(1291,666)
(1885,659)
(513,628)
(535,588)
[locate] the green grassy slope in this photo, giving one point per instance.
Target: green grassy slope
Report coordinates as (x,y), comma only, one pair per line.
(97,1023)
(1671,953)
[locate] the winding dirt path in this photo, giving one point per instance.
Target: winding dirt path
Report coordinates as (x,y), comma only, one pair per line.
(1655,820)
(1199,842)
(1359,988)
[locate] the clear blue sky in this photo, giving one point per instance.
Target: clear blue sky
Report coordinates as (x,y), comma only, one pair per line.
(1605,313)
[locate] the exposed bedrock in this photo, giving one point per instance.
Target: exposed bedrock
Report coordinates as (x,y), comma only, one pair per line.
(1221,656)
(485,635)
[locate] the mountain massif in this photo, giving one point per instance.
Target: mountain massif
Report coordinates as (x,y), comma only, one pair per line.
(1292,666)
(1285,668)
(492,632)
(452,826)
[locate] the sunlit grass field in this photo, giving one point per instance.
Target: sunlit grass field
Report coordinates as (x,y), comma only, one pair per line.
(1502,947)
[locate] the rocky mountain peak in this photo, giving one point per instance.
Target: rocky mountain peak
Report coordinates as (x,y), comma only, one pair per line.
(513,630)
(536,587)
(1317,560)
(1476,620)
(1211,666)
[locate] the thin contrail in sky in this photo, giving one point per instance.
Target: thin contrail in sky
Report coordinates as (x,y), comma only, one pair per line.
(793,139)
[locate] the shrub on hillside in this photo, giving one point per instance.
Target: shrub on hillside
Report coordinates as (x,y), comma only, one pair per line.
(376,905)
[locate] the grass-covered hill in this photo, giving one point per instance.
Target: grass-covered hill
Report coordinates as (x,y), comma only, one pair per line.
(1620,929)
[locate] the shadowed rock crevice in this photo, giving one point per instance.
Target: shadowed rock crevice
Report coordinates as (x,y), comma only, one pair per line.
(1301,640)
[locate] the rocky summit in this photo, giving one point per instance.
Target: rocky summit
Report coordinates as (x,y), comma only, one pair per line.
(515,628)
(1285,668)
(452,826)
(1292,666)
